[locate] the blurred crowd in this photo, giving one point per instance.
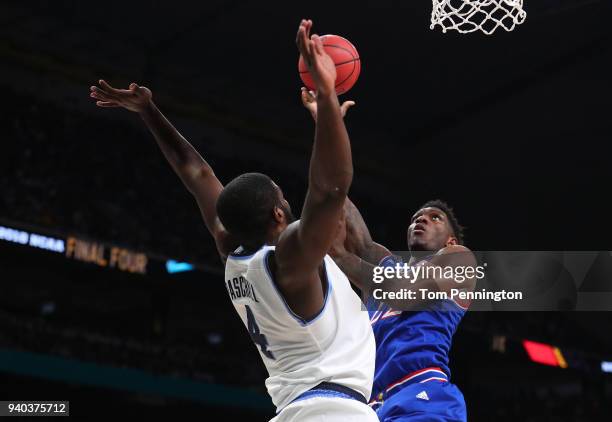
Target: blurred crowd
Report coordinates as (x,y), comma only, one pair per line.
(202,359)
(103,177)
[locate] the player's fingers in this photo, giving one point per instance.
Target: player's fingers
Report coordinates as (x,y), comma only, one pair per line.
(307,45)
(307,26)
(307,95)
(98,96)
(312,94)
(108,88)
(309,49)
(101,95)
(137,90)
(107,104)
(302,40)
(98,90)
(313,50)
(346,105)
(298,35)
(317,45)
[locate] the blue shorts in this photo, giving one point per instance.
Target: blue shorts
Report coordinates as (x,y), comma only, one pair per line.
(427,402)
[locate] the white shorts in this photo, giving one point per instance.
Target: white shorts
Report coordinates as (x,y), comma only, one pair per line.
(326,409)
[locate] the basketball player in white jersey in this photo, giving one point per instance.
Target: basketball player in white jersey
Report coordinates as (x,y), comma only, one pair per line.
(296,304)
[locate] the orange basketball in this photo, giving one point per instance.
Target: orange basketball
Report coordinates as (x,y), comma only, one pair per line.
(345,56)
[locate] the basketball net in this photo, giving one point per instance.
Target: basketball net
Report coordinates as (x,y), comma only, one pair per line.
(473,15)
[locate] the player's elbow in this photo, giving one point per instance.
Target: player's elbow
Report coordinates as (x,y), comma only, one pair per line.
(194,174)
(332,193)
(339,191)
(334,186)
(345,183)
(202,170)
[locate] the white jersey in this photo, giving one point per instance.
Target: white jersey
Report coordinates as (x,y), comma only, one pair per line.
(337,345)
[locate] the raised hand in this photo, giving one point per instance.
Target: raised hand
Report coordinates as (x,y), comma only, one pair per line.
(136,98)
(320,65)
(309,100)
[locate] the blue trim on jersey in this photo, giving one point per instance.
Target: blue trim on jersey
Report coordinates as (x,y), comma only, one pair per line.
(319,392)
(390,261)
(322,393)
(303,322)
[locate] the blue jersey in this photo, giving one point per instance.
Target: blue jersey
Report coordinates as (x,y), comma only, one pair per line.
(411,346)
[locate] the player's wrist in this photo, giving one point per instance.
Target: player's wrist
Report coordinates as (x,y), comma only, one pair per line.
(327,101)
(326,95)
(147,108)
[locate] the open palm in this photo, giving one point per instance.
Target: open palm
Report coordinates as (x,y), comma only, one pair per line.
(136,98)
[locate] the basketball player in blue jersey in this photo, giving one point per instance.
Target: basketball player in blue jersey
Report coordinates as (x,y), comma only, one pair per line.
(412,377)
(296,304)
(411,381)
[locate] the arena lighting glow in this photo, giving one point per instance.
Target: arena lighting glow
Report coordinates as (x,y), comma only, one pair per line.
(606,366)
(544,354)
(34,240)
(173,266)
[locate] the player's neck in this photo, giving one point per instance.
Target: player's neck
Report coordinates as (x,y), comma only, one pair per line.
(274,234)
(272,239)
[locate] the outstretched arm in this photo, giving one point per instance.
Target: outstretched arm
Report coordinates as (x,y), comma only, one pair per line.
(358,239)
(196,174)
(353,249)
(303,245)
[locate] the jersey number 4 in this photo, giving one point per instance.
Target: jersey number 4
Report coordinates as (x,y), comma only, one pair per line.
(256,335)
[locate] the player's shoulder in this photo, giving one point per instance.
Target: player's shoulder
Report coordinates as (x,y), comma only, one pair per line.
(289,235)
(454,255)
(454,249)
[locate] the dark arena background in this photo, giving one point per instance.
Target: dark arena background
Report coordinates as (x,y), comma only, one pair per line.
(112,291)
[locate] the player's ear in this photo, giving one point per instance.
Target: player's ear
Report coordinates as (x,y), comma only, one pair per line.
(278,215)
(451,241)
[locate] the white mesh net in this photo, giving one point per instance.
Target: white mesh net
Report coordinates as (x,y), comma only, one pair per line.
(473,15)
